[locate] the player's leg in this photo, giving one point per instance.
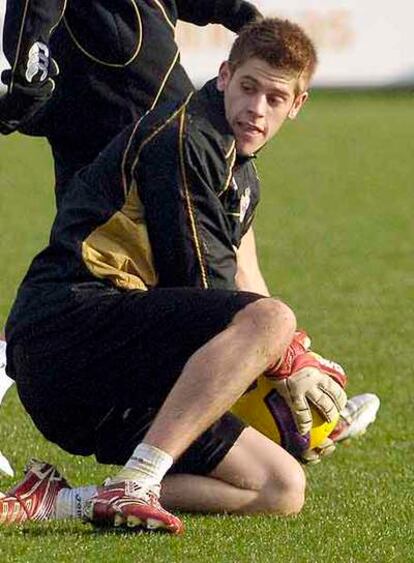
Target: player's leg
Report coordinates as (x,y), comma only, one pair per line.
(218,490)
(123,346)
(213,378)
(255,476)
(5,384)
(211,381)
(5,381)
(218,373)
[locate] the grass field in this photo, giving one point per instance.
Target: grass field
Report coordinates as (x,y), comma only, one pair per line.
(335,233)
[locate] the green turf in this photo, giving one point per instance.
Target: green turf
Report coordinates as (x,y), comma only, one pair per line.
(335,234)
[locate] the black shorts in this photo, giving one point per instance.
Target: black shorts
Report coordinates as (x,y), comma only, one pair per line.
(94,378)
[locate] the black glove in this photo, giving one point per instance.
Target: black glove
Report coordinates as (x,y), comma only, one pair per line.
(26,95)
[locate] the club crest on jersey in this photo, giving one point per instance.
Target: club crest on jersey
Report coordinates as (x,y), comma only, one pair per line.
(38,62)
(244,203)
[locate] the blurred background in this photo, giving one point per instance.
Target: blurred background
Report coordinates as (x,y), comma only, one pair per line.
(361,43)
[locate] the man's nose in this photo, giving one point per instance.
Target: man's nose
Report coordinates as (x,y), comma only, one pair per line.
(257,105)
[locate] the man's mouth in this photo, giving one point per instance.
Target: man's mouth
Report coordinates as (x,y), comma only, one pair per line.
(249,128)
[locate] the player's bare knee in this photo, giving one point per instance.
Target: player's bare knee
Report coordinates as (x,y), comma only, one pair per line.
(294,493)
(286,494)
(267,316)
(271,322)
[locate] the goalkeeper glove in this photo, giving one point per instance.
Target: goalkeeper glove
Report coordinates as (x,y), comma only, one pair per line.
(25,95)
(303,377)
(315,455)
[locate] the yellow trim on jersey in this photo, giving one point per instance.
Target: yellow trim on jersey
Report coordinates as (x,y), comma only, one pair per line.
(162,9)
(65,3)
(120,250)
(190,208)
(124,157)
(145,142)
(255,169)
(167,75)
(19,44)
(231,150)
(230,175)
(175,59)
(105,63)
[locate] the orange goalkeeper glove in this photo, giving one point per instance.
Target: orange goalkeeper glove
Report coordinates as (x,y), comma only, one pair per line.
(303,377)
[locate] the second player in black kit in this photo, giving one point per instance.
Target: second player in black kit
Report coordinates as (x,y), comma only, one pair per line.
(116,60)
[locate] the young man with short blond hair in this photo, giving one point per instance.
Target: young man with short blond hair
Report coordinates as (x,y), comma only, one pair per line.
(144,261)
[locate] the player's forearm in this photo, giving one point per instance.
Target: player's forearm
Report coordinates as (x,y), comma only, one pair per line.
(251,281)
(25,64)
(249,276)
(233,14)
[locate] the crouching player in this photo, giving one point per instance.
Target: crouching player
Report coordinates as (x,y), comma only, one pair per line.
(142,262)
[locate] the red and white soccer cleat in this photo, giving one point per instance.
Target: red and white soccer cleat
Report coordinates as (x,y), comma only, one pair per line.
(359,412)
(131,505)
(34,498)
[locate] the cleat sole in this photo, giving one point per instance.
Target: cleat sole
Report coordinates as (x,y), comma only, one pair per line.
(119,520)
(153,524)
(133,522)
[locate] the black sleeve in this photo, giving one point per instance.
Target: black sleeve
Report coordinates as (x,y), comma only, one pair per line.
(178,183)
(233,14)
(26,67)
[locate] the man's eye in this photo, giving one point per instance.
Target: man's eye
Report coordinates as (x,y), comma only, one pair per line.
(247,88)
(274,100)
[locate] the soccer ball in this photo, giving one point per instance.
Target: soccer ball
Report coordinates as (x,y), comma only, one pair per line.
(265,410)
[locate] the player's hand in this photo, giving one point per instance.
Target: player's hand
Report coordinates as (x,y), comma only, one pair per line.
(303,378)
(315,455)
(309,384)
(300,344)
(297,356)
(24,98)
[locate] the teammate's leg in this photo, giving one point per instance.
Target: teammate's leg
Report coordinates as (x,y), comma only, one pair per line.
(5,381)
(5,384)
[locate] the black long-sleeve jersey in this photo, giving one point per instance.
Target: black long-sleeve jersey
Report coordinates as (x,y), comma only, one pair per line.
(116,59)
(159,207)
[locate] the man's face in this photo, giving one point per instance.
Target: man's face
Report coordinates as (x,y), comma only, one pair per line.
(257,98)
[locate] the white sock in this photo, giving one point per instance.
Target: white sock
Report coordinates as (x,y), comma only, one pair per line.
(147,466)
(5,381)
(70,503)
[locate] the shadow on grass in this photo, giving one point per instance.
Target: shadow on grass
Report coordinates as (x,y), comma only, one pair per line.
(82,530)
(71,529)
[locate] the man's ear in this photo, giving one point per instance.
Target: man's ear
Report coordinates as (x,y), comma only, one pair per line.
(298,104)
(223,76)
